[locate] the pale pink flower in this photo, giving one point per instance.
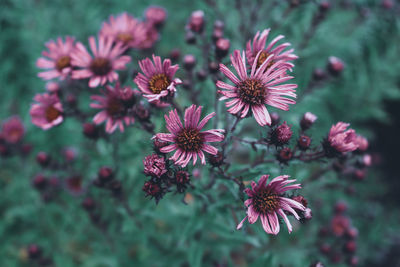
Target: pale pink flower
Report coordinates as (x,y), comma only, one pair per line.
(252,92)
(126,29)
(278,53)
(47,112)
(13,130)
(341,140)
(57,59)
(154,165)
(102,67)
(266,201)
(157,82)
(116,104)
(188,139)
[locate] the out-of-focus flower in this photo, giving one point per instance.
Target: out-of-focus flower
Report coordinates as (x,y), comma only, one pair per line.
(277,53)
(13,130)
(47,112)
(154,165)
(340,225)
(53,87)
(340,140)
(157,81)
(253,92)
(115,103)
(150,37)
(182,180)
(125,29)
(196,21)
(188,139)
(367,160)
(57,59)
(335,65)
(107,59)
(362,143)
(266,201)
(156,15)
(307,120)
(74,185)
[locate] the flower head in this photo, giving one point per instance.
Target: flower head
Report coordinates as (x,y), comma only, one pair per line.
(57,59)
(157,81)
(47,112)
(13,130)
(156,15)
(259,45)
(340,140)
(102,66)
(116,104)
(307,120)
(266,201)
(150,37)
(188,139)
(124,29)
(154,165)
(263,86)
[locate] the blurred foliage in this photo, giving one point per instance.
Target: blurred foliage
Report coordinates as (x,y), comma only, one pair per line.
(197,234)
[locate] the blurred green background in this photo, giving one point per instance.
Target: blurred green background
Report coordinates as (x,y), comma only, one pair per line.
(364,35)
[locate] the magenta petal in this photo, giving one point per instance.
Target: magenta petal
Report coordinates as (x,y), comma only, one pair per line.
(241,223)
(253,215)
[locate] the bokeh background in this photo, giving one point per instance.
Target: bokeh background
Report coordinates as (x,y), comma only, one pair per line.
(364,34)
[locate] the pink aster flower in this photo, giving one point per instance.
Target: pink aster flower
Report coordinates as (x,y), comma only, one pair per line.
(157,81)
(154,165)
(340,140)
(259,45)
(48,112)
(57,59)
(188,139)
(125,29)
(150,37)
(116,104)
(266,201)
(13,130)
(102,67)
(262,86)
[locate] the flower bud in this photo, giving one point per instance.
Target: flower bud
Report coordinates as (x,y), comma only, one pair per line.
(275,118)
(217,34)
(39,182)
(175,54)
(43,159)
(196,21)
(105,174)
(116,187)
(34,251)
(324,6)
(281,135)
(141,112)
(335,65)
(353,261)
(325,248)
(340,207)
(219,24)
(156,15)
(201,75)
(284,155)
(350,246)
(352,233)
(307,120)
(182,180)
(213,67)
(158,144)
(359,174)
(153,190)
(222,47)
(189,61)
(154,165)
(387,4)
(90,130)
(319,74)
(304,142)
